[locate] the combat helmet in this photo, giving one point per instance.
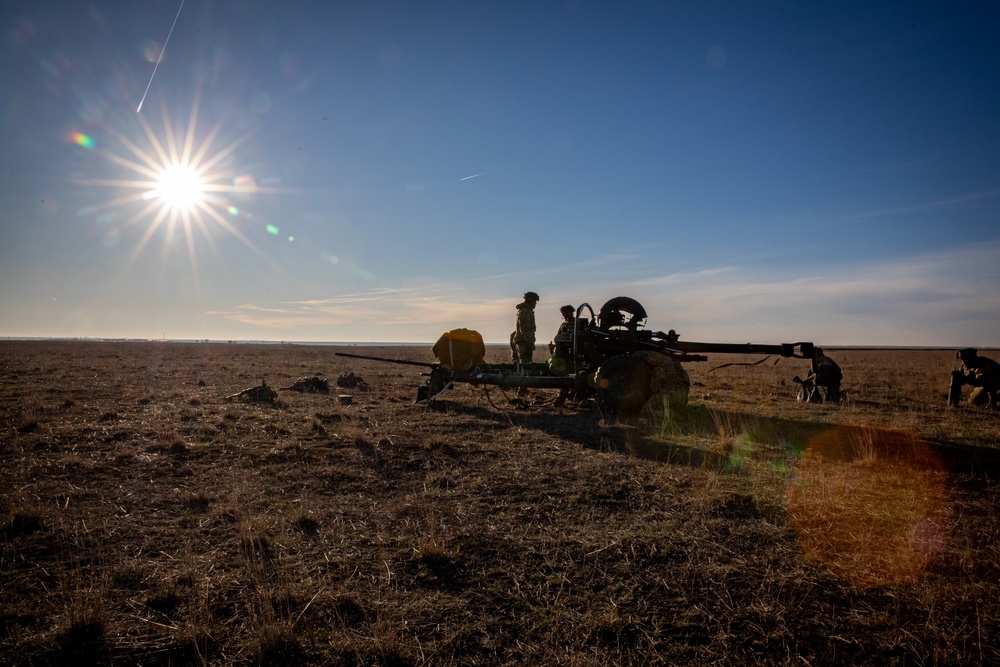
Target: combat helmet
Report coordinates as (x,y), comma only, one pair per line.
(966,353)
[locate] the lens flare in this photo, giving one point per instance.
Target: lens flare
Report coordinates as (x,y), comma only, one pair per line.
(244,183)
(81,139)
(174,183)
(870,505)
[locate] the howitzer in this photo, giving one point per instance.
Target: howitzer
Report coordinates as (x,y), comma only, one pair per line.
(609,356)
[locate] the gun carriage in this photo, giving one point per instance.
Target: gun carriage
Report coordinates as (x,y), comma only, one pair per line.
(608,355)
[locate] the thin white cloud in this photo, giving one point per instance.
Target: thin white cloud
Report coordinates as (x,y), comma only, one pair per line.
(947,299)
(941,299)
(419,311)
(961,201)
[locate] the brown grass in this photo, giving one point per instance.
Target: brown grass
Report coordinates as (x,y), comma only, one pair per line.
(144,519)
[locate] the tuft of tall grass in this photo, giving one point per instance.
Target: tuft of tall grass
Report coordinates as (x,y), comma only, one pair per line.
(83,634)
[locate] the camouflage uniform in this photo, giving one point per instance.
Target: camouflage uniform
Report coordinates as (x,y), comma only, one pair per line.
(826,373)
(561,349)
(522,339)
(980,372)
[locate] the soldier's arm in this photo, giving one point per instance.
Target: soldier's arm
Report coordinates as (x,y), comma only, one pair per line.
(974,378)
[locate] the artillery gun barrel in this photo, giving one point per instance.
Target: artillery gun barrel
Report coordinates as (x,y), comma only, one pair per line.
(425,364)
(799,350)
(695,351)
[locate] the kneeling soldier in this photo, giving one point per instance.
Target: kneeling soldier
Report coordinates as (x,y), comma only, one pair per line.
(979,372)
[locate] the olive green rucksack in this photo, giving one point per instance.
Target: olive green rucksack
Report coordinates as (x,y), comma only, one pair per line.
(460,349)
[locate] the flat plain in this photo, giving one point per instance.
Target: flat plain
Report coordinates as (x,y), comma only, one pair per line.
(146,518)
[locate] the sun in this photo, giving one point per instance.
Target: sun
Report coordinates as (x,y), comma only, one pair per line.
(180,188)
(177,183)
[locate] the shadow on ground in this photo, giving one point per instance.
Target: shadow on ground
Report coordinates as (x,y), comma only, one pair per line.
(709,438)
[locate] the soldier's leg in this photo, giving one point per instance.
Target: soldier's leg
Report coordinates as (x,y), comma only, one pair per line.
(815,396)
(833,392)
(561,398)
(979,397)
(955,388)
(523,356)
(527,352)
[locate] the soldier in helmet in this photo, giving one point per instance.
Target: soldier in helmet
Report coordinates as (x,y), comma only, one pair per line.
(522,339)
(562,344)
(979,372)
(561,349)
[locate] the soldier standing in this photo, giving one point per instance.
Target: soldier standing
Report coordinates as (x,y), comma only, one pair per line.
(980,372)
(522,339)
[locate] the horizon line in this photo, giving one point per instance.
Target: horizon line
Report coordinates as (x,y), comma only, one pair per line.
(254,341)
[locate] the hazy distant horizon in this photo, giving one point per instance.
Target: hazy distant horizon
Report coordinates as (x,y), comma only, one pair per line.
(428,344)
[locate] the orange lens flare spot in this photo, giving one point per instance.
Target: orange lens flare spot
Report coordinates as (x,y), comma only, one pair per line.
(870,505)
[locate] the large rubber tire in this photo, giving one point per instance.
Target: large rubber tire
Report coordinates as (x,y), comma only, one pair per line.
(622,384)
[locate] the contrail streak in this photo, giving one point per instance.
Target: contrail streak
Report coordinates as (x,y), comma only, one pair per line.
(160,57)
(474,176)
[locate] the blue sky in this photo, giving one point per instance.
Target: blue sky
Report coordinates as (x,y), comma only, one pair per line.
(386,171)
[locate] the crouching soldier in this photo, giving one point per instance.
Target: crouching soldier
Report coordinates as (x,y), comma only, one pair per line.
(979,372)
(824,374)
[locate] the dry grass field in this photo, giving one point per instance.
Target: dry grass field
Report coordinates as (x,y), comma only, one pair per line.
(147,519)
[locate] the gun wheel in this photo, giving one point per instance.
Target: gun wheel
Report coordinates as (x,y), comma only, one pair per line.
(634,384)
(623,384)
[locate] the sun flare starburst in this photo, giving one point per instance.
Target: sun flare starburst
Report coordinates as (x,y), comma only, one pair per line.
(187,185)
(179,187)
